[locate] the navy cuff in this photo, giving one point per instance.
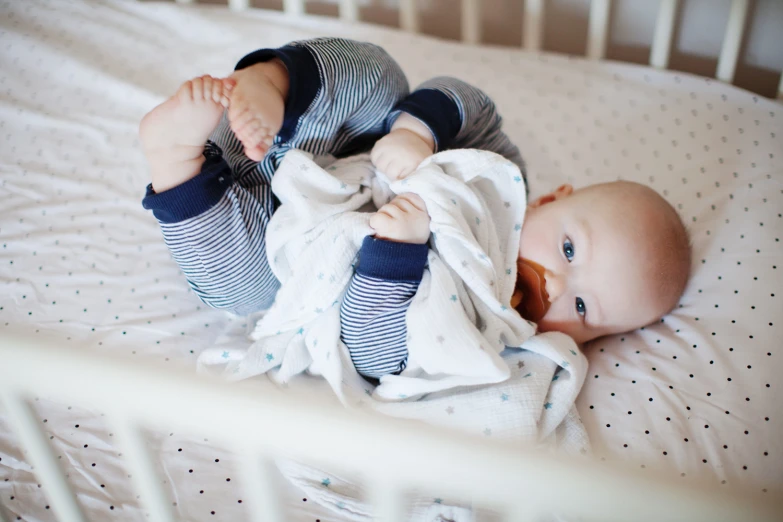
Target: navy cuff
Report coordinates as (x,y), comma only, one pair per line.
(304,81)
(392,261)
(437,111)
(194,197)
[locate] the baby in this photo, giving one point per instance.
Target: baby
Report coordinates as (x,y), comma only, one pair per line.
(614,256)
(605,259)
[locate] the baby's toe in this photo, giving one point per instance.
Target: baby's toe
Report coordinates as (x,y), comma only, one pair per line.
(258,135)
(256,153)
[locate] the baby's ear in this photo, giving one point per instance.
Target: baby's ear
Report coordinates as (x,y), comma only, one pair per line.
(561,192)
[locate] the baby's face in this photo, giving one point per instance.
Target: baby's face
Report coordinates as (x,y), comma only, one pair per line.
(595,252)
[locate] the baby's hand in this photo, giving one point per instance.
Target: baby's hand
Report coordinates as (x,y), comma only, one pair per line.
(399,153)
(404,220)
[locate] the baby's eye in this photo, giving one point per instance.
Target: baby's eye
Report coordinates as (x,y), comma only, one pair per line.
(568,250)
(581,309)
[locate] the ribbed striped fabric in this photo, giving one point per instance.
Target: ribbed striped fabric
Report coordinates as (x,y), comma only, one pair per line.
(221,251)
(372,319)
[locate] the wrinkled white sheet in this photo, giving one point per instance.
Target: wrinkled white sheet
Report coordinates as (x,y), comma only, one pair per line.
(82,263)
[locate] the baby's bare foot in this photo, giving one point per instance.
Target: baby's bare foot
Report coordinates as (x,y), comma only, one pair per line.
(257,105)
(174,133)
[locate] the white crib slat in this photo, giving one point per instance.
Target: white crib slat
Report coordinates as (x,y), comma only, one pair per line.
(729,53)
(238,5)
(664,34)
(533,25)
(349,10)
(142,470)
(293,7)
(598,30)
(44,460)
(261,491)
(471,21)
(409,19)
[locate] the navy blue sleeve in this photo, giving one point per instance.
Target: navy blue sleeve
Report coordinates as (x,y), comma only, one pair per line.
(460,116)
(372,315)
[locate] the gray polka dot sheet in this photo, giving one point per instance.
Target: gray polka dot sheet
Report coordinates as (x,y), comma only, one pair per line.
(82,264)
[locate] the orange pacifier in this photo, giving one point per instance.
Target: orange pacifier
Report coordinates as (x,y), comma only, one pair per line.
(530,297)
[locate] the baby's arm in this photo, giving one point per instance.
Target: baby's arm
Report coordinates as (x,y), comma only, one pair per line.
(457,115)
(391,265)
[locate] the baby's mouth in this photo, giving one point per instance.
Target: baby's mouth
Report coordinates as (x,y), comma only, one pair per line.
(530,297)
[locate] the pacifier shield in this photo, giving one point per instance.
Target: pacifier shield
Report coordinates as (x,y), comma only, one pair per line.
(533,303)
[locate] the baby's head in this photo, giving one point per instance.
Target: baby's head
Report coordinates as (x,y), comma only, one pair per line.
(617,257)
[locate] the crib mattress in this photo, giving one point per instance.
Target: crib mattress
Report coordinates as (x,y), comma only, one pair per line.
(82,264)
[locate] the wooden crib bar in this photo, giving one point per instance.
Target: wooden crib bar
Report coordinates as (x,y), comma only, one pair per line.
(533,27)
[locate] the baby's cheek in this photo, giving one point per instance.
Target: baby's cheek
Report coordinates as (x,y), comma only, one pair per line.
(557,319)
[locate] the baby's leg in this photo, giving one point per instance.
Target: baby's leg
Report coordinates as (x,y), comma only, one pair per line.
(258,105)
(173,134)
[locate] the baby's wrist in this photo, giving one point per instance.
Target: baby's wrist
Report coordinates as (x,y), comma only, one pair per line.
(407,122)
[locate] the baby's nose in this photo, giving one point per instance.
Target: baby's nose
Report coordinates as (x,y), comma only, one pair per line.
(554,285)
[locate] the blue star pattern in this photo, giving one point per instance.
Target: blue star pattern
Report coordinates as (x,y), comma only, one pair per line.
(225,355)
(300,331)
(453,298)
(517,227)
(487,432)
(454,201)
(526,375)
(556,377)
(572,352)
(517,179)
(548,406)
(504,397)
(508,271)
(269,357)
(478,221)
(438,500)
(325,482)
(565,364)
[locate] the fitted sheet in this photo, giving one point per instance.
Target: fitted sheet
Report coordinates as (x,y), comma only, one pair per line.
(82,264)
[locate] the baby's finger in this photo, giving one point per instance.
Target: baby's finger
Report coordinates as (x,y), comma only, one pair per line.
(405,205)
(391,210)
(379,221)
(414,200)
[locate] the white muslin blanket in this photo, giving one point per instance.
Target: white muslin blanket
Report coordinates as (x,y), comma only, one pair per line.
(474,364)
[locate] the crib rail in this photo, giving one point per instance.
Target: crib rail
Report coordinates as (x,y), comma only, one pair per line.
(492,473)
(533,28)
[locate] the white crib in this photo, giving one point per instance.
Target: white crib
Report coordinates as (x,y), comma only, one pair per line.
(137,396)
